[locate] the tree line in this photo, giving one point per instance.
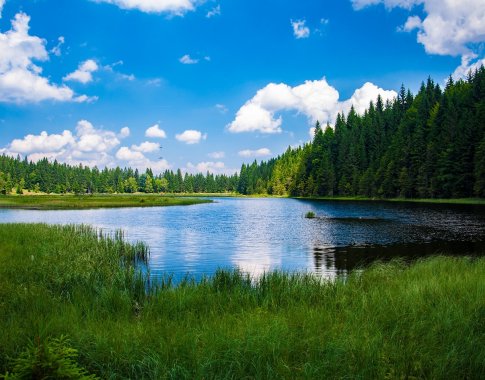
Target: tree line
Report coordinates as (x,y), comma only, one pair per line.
(428,145)
(431,145)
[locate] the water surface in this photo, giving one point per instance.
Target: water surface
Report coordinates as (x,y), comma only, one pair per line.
(258,235)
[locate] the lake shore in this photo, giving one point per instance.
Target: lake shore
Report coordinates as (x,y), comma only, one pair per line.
(65,288)
(71,201)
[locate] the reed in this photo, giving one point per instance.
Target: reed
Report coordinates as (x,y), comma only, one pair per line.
(425,320)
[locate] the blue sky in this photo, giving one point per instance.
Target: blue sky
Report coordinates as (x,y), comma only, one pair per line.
(218,82)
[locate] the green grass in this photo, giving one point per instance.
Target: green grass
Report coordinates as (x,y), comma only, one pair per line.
(53,202)
(70,284)
(470,201)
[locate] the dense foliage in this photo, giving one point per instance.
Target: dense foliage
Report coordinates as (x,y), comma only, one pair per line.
(54,177)
(431,145)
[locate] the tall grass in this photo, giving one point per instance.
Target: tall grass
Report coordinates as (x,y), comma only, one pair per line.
(390,321)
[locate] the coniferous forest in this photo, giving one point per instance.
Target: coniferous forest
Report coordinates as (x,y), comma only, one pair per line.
(428,145)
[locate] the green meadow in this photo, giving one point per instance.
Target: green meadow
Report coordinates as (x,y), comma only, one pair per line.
(70,201)
(74,303)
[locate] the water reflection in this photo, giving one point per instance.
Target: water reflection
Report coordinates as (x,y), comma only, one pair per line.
(258,235)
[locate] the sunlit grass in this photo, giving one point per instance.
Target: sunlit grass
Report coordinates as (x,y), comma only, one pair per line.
(94,201)
(390,321)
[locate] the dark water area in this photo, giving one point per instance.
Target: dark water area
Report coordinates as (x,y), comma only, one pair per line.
(259,235)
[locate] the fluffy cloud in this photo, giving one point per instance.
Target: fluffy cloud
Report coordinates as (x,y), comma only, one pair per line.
(146,147)
(42,143)
(191,136)
(188,60)
(468,63)
(2,3)
(137,160)
(450,27)
(20,79)
(88,146)
(155,132)
(300,30)
(317,100)
(217,167)
(255,153)
(175,7)
(217,155)
(84,72)
(124,132)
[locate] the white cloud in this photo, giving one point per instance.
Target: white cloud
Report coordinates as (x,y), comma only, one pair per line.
(20,79)
(468,63)
(175,7)
(56,50)
(42,143)
(146,147)
(363,96)
(413,22)
(2,3)
(124,132)
(88,146)
(450,27)
(94,140)
(317,100)
(84,72)
(187,60)
(155,132)
(216,167)
(300,30)
(137,160)
(216,11)
(217,155)
(221,108)
(126,154)
(255,153)
(191,136)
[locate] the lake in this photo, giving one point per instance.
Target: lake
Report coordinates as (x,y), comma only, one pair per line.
(261,234)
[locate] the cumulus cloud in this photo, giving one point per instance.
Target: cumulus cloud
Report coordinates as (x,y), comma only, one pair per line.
(137,160)
(146,147)
(317,100)
(20,79)
(468,63)
(2,3)
(191,136)
(124,132)
(450,27)
(300,30)
(88,146)
(217,155)
(155,132)
(175,7)
(255,153)
(216,11)
(42,143)
(216,167)
(188,60)
(84,73)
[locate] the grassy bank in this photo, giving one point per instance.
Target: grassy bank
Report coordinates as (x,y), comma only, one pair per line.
(463,201)
(63,288)
(53,202)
